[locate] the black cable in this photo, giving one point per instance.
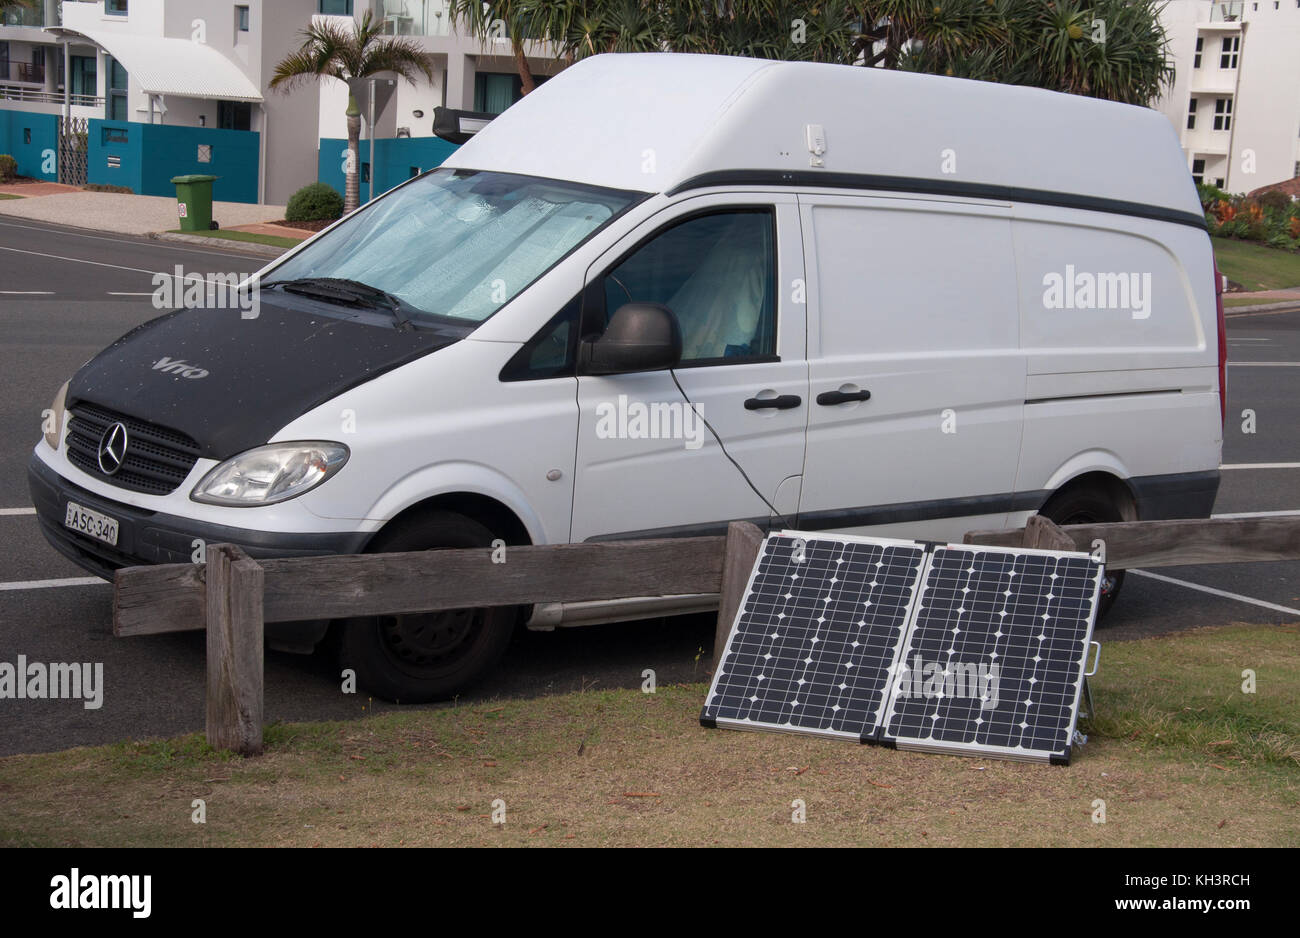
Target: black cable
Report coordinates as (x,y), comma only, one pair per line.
(772,508)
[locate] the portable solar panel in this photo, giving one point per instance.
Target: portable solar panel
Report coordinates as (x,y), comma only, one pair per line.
(993,661)
(945,648)
(815,638)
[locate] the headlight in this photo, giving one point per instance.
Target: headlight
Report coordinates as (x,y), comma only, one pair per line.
(52,419)
(270,474)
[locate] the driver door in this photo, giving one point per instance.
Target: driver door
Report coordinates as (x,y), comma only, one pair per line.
(730,267)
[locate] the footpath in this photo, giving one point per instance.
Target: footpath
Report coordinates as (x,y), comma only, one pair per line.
(144,215)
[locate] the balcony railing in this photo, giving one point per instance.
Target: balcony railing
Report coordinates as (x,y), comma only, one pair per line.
(413,17)
(33,96)
(1226,11)
(24,16)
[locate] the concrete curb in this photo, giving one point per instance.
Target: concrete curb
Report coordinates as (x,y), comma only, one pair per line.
(1282,307)
(251,247)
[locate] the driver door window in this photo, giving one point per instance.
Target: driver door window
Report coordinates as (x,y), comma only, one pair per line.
(717,274)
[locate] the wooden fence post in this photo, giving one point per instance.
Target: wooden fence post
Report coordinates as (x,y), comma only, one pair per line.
(1043,534)
(233,601)
(743,543)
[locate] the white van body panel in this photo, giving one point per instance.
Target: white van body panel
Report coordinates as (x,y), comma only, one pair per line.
(445,424)
(939,352)
(707,114)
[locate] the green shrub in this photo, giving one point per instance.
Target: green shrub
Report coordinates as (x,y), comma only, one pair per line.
(1210,194)
(316,202)
(104,187)
(1275,200)
(8,167)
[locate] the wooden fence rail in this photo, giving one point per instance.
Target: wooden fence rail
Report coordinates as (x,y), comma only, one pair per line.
(232,595)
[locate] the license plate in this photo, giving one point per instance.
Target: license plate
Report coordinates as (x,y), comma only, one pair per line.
(91,523)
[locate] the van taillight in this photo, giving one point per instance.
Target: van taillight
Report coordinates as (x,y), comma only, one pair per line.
(1223,347)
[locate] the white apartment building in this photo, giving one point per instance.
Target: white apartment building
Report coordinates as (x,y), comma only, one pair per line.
(469,74)
(208,63)
(1235,101)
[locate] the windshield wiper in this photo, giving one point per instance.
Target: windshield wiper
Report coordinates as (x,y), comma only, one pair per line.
(349,293)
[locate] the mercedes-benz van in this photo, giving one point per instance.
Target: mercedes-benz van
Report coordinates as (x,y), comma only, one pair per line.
(663,292)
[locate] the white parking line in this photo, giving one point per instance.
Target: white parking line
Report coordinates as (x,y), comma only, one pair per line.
(26,292)
(1223,593)
(47,584)
(1261,465)
(17,511)
(1287,513)
(111,293)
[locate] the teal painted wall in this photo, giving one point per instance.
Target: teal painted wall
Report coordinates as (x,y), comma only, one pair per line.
(34,157)
(395,158)
(152,154)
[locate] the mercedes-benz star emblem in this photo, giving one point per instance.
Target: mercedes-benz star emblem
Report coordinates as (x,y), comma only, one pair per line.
(112,449)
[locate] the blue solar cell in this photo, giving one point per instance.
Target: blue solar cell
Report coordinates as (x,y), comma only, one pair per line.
(816,636)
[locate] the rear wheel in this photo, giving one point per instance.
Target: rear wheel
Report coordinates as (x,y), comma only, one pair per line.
(1089,506)
(422,657)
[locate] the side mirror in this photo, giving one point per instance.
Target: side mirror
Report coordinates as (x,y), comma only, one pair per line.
(639,337)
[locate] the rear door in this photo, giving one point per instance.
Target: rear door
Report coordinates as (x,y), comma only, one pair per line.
(917,381)
(647,465)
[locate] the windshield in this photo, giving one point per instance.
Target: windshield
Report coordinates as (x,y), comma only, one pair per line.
(458,244)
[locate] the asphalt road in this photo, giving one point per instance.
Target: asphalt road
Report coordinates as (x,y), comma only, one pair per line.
(65,295)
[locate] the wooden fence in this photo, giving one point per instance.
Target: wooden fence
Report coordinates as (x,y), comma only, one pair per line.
(232,595)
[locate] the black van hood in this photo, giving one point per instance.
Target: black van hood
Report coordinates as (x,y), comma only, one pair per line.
(230,383)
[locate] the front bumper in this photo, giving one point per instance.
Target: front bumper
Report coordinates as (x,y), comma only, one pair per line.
(148,537)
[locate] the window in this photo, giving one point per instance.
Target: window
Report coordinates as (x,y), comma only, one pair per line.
(1223,113)
(336,7)
(1198,171)
(4,61)
(1191,114)
(241,19)
(1218,182)
(550,353)
(115,7)
(1228,56)
(117,82)
(493,92)
(717,274)
(83,75)
(234,115)
(1200,46)
(457,245)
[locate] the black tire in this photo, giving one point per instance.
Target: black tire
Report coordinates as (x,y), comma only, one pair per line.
(1089,506)
(430,656)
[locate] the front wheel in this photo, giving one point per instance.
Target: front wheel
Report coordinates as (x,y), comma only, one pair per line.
(422,657)
(1089,506)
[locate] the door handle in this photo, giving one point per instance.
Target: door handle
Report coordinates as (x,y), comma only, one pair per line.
(829,398)
(781,402)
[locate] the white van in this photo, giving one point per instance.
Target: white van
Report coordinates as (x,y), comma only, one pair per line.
(904,304)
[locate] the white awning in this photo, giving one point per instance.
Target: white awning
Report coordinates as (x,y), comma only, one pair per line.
(171,66)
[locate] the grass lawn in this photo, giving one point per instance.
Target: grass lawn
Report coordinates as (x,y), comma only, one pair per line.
(1178,753)
(6,195)
(246,236)
(1256,267)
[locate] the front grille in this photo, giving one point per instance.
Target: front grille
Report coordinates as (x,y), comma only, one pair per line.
(157,459)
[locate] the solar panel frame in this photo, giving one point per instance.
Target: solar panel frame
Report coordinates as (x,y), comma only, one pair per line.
(884,612)
(1079,595)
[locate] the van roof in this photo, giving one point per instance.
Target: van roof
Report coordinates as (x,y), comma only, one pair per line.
(661,122)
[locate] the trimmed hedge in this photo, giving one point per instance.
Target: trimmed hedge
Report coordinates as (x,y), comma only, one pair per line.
(316,202)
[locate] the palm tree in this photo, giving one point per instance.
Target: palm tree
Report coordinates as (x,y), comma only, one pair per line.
(1047,43)
(332,49)
(522,21)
